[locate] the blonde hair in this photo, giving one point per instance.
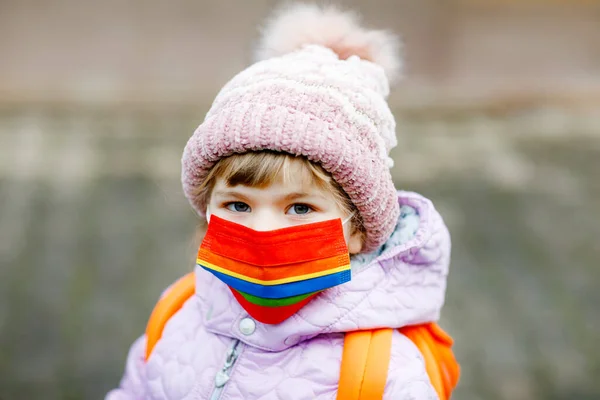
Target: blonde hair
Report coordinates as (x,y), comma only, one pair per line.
(261,169)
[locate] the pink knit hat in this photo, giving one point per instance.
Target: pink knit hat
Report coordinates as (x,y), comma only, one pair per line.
(320,92)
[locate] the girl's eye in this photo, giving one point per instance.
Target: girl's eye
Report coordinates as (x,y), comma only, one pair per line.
(238,206)
(300,209)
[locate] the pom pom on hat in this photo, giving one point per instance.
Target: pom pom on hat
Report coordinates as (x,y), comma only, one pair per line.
(298,24)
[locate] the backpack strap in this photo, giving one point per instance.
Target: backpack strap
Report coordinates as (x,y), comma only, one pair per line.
(436,347)
(366,358)
(170,302)
(365,361)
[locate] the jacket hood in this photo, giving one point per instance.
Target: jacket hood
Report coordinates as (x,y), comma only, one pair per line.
(402,283)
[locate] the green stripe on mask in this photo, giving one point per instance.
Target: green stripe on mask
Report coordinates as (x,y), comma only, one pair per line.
(286,301)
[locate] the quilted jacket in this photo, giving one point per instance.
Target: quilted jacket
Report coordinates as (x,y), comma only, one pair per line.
(211,349)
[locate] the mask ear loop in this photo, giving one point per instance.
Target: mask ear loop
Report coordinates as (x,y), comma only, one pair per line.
(207,214)
(348,218)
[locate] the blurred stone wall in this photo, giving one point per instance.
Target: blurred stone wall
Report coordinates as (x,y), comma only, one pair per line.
(94,225)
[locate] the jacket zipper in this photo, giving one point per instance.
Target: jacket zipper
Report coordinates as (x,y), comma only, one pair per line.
(223,375)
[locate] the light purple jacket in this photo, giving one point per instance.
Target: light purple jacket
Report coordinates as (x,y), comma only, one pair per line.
(211,349)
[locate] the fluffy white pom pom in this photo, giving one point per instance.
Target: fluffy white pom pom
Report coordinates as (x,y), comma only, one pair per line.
(299,24)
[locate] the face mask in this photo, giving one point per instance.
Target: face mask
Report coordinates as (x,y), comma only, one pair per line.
(273,274)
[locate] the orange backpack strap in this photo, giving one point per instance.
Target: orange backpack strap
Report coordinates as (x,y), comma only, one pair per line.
(366,358)
(365,362)
(170,302)
(436,347)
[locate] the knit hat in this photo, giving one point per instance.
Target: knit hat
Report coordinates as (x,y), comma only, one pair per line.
(318,90)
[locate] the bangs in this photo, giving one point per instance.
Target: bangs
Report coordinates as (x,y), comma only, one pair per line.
(265,168)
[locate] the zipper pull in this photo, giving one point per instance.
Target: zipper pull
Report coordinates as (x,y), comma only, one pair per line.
(221,379)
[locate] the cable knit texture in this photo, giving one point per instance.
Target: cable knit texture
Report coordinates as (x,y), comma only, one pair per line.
(401,283)
(323,103)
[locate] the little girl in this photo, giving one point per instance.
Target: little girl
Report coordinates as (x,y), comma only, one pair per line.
(308,240)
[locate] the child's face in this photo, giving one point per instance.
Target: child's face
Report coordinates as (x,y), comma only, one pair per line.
(279,206)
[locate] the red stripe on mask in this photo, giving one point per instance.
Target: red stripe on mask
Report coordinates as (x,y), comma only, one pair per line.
(270,315)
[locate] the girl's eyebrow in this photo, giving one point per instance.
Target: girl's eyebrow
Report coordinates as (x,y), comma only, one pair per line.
(297,195)
(231,193)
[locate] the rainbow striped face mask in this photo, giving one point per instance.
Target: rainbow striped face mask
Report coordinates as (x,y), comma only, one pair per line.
(274,274)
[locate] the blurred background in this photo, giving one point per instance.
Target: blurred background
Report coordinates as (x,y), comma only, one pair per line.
(498,123)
